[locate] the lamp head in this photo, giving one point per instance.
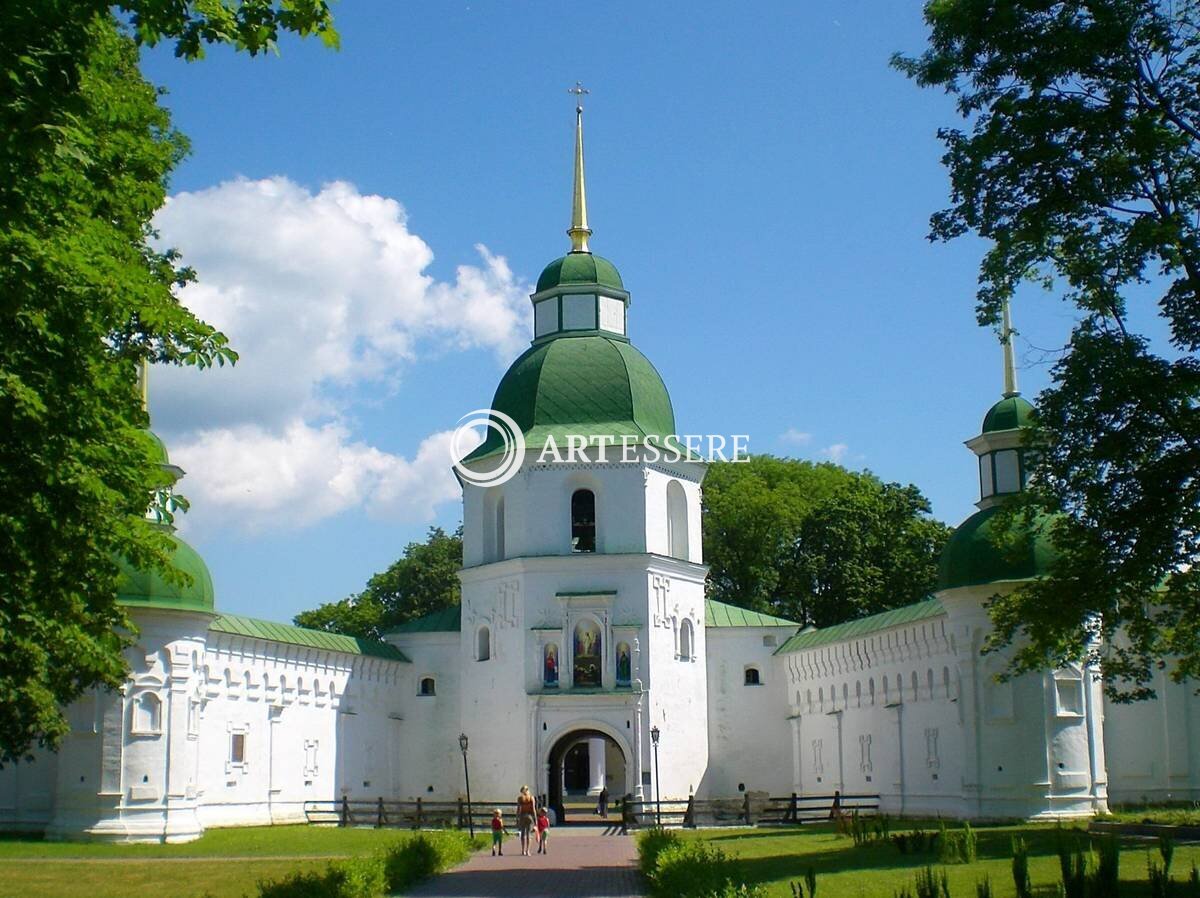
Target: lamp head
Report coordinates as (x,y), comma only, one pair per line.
(655,732)
(462,743)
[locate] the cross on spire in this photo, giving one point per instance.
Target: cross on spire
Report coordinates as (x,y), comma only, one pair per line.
(579,91)
(579,231)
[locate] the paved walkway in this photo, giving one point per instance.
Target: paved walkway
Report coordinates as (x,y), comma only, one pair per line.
(582,863)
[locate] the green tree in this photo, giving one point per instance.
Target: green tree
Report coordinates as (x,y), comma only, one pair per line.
(423,580)
(814,542)
(1081,165)
(85,152)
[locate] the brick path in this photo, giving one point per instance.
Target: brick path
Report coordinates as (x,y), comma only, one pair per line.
(582,863)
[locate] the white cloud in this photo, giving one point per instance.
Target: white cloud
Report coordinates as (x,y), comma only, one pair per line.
(320,292)
(836,453)
(795,437)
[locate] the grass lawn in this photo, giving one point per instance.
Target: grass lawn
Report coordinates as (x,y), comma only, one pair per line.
(1171,815)
(774,858)
(223,863)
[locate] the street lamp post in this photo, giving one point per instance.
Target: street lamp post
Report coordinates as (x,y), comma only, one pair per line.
(462,743)
(655,732)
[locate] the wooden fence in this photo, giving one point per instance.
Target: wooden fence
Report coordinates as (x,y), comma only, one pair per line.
(745,810)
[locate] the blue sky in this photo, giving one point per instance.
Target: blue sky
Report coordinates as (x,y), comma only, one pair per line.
(760,176)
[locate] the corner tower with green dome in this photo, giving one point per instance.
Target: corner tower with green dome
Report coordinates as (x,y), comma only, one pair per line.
(583,582)
(1061,709)
(976,553)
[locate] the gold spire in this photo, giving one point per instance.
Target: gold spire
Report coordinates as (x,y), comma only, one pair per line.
(1010,367)
(579,232)
(143,384)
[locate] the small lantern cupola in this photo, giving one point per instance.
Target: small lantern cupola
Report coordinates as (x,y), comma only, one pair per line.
(579,293)
(1004,461)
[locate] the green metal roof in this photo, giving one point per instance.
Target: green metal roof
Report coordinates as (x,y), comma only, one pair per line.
(718,614)
(588,385)
(1010,413)
(148,589)
(447,620)
(863,626)
(577,269)
(976,553)
(158,447)
(315,639)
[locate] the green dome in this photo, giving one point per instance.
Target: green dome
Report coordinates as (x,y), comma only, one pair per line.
(143,589)
(975,555)
(589,385)
(158,447)
(1009,413)
(578,269)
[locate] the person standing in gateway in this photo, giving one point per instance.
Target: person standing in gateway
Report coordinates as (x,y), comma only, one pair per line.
(525,818)
(602,802)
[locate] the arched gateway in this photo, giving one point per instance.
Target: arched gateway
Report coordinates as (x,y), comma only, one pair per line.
(577,764)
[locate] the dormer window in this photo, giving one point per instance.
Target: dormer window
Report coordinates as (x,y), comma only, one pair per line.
(583,521)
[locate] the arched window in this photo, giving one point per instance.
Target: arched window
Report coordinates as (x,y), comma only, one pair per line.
(500,529)
(808,699)
(752,677)
(586,665)
(929,681)
(427,686)
(821,697)
(147,713)
(946,680)
(899,688)
(871,689)
(550,665)
(483,644)
(858,693)
(686,638)
(916,697)
(624,664)
(677,522)
(884,682)
(583,521)
(845,695)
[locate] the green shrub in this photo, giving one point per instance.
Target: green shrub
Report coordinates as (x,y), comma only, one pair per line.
(692,870)
(1160,881)
(1020,869)
(301,885)
(960,847)
(1106,882)
(970,844)
(398,866)
(1166,848)
(410,860)
(932,885)
(650,845)
(738,891)
(362,877)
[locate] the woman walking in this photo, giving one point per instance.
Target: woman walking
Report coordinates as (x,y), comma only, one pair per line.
(525,818)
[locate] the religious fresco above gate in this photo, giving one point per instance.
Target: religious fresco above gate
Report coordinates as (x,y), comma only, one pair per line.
(586,666)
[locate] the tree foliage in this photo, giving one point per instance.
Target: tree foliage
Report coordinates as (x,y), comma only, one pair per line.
(814,542)
(85,152)
(423,580)
(1079,164)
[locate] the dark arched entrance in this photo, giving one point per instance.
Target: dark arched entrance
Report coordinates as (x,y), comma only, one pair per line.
(573,786)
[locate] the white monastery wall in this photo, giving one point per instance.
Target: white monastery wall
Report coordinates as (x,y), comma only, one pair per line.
(749,732)
(430,765)
(1153,747)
